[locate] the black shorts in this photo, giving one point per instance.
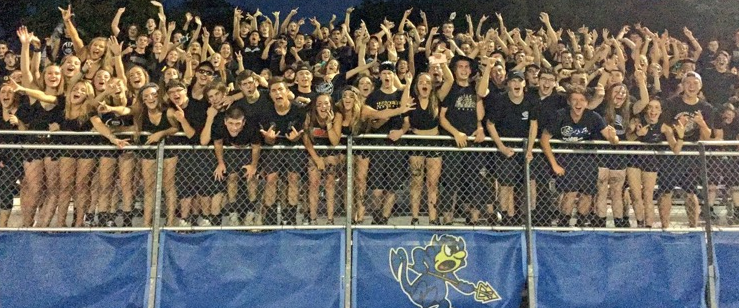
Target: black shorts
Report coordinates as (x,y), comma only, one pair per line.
(235,160)
(388,170)
(541,171)
(646,163)
(282,161)
(462,173)
(509,171)
(581,173)
(426,143)
(679,171)
(9,175)
(194,175)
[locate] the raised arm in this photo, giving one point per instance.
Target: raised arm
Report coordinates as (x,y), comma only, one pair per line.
(116,21)
(448,81)
(478,31)
(25,39)
(697,49)
(283,26)
(641,79)
(33,93)
(551,34)
(79,45)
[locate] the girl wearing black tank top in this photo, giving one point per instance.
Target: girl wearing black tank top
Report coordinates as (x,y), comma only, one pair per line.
(642,177)
(10,166)
(616,110)
(318,124)
(77,165)
(114,111)
(42,172)
(424,121)
(351,117)
(152,117)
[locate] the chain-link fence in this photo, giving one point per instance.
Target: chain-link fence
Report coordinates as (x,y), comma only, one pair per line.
(417,180)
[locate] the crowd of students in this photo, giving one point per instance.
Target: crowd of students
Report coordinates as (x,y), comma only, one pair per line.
(274,81)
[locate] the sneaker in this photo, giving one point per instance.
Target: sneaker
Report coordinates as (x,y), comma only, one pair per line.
(110,224)
(184,223)
(233,219)
(205,223)
(414,222)
(307,221)
(250,218)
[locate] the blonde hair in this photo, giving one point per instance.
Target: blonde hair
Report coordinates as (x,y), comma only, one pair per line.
(87,105)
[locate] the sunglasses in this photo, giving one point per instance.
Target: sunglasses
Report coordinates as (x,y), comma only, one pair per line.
(206,72)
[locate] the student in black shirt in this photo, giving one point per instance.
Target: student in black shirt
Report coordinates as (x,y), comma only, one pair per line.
(383,178)
(11,164)
(642,174)
(461,115)
(509,115)
(151,116)
(322,163)
(573,125)
(192,178)
(424,121)
(115,113)
(233,128)
(282,125)
(698,116)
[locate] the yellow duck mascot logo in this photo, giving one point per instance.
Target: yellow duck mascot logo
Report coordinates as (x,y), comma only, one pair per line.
(426,278)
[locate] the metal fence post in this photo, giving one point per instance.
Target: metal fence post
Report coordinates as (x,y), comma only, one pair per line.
(154,262)
(348,277)
(529,229)
(709,238)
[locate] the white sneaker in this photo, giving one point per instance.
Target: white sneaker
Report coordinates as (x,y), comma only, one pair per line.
(249,219)
(184,223)
(205,223)
(233,219)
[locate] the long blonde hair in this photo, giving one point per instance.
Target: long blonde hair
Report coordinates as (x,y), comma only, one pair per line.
(87,105)
(356,121)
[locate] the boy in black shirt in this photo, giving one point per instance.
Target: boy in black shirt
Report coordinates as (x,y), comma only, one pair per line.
(573,125)
(509,115)
(698,118)
(383,177)
(461,115)
(192,178)
(234,129)
(282,125)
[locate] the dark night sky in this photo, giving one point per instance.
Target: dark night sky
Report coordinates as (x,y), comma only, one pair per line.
(307,8)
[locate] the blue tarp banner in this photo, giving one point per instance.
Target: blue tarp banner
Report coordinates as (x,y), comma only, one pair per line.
(73,269)
(726,248)
(620,269)
(448,269)
(241,269)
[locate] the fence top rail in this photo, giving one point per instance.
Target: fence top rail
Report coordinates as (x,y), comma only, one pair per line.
(656,230)
(75,229)
(369,136)
(254,228)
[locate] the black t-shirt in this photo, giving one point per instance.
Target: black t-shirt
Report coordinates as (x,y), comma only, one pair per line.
(5,154)
(66,47)
(252,56)
(283,124)
(731,130)
(717,87)
(196,113)
(312,96)
(42,118)
(654,132)
(380,101)
(588,128)
(144,60)
(423,119)
(676,108)
(254,111)
(461,105)
(510,119)
(618,121)
(248,135)
(548,107)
